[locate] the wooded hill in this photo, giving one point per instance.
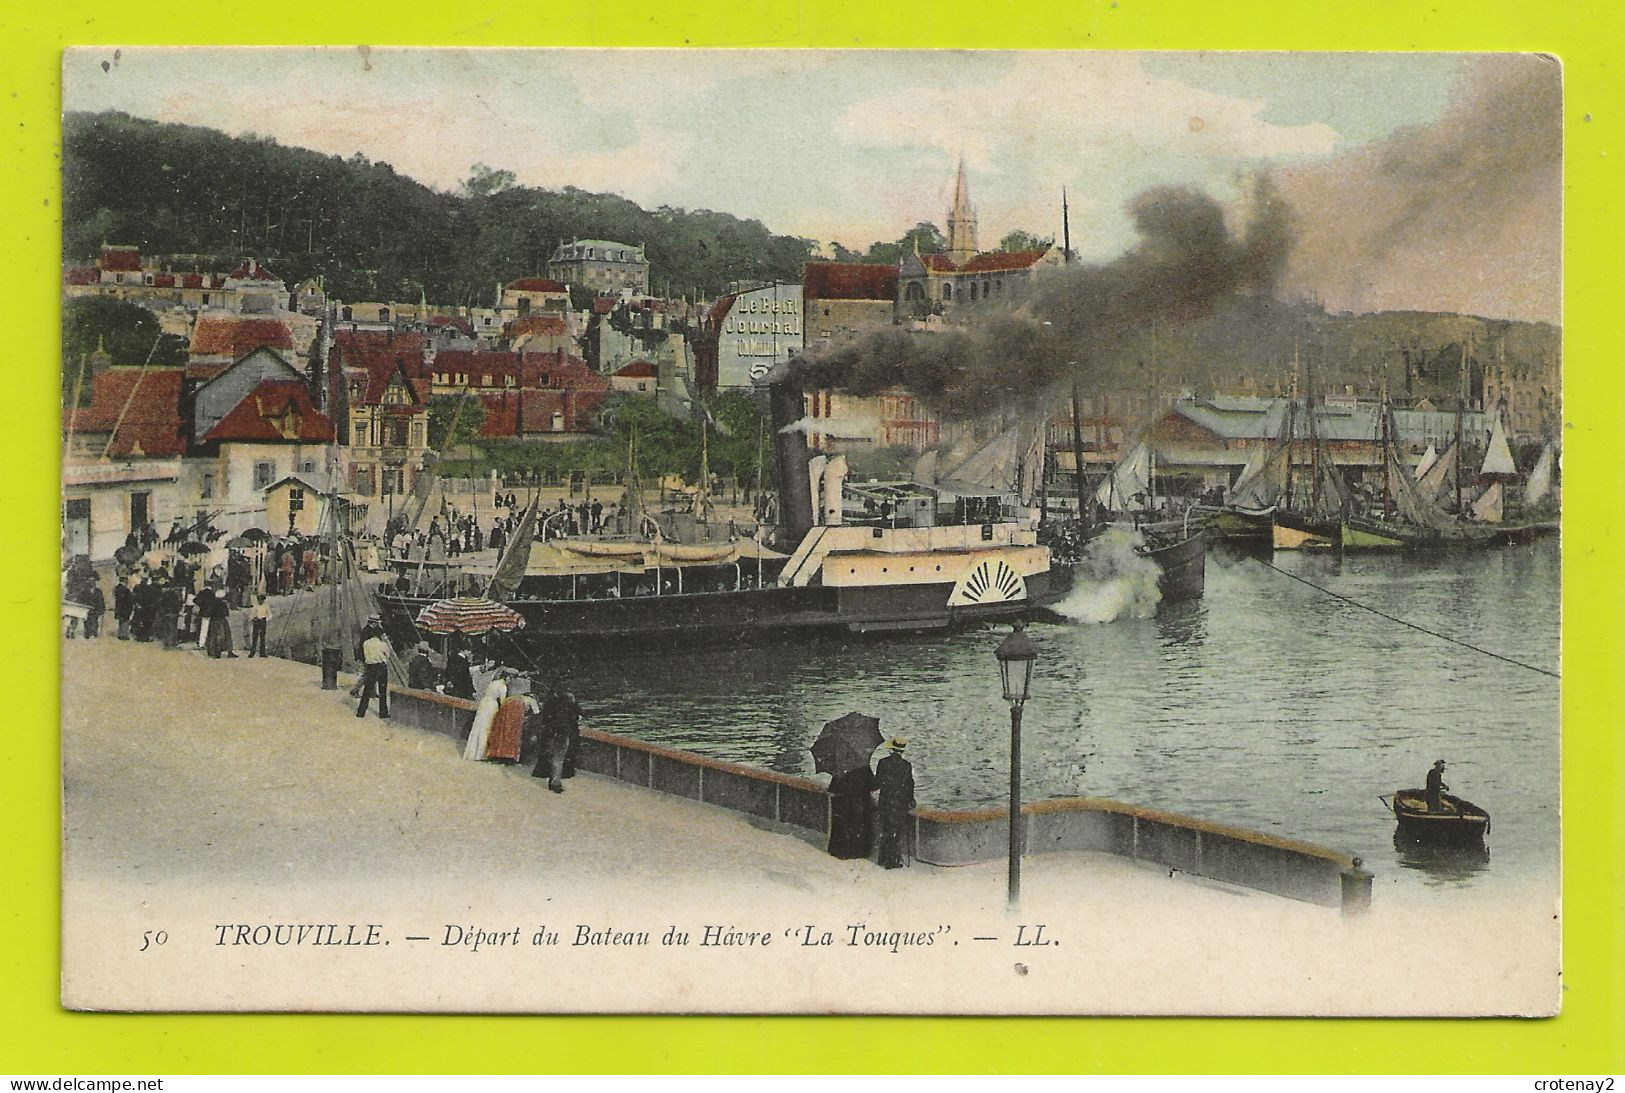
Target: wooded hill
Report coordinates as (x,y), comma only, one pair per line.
(374,234)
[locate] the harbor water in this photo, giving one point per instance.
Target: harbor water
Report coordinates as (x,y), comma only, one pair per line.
(1266,704)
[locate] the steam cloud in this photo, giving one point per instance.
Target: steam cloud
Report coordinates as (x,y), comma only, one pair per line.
(1187,261)
(1462,215)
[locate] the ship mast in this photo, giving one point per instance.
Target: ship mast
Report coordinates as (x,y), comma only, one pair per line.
(1077,394)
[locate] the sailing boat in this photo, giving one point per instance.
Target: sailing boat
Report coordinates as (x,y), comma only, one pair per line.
(1309,517)
(1248,512)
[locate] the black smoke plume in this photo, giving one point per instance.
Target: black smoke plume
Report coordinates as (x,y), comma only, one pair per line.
(1078,319)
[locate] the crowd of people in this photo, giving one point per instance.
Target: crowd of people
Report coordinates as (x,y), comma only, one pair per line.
(517,720)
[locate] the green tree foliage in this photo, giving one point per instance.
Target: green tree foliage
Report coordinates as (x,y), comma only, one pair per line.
(468,414)
(927,238)
(658,444)
(374,234)
(1020,240)
(483,181)
(127,332)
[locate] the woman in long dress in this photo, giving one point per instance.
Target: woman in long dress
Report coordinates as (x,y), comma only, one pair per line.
(507,730)
(479,736)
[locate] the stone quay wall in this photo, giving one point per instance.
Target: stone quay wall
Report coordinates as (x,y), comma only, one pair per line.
(1251,859)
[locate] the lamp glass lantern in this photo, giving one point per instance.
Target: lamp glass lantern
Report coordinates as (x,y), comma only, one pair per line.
(1016,654)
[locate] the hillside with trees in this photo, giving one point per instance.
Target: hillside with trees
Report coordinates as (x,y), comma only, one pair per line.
(373,233)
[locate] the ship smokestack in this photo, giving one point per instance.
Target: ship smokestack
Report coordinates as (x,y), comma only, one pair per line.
(790,458)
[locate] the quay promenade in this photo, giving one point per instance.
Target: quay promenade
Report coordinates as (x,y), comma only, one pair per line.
(203,792)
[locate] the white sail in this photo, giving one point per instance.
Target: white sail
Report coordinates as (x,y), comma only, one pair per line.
(1262,480)
(1440,476)
(1487,508)
(515,556)
(1540,479)
(1498,456)
(1131,476)
(1429,457)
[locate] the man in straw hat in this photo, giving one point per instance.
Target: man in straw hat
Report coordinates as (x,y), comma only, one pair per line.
(894,776)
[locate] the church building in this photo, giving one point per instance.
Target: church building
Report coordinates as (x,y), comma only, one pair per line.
(963,277)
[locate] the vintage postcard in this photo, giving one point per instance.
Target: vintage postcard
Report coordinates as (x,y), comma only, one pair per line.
(684,531)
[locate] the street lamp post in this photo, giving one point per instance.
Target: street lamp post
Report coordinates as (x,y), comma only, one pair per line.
(1016,654)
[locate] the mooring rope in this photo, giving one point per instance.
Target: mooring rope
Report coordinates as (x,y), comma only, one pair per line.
(1403,622)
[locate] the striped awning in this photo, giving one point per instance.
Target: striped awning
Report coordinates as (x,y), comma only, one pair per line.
(468,615)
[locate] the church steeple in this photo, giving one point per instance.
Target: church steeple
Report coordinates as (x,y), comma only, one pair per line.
(961,221)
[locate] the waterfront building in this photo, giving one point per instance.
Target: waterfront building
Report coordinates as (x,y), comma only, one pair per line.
(164,282)
(221,339)
(841,300)
(603,266)
(122,467)
(538,334)
(839,421)
(250,426)
(641,377)
(745,334)
(526,295)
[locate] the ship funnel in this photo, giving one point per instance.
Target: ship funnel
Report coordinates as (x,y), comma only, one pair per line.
(791,459)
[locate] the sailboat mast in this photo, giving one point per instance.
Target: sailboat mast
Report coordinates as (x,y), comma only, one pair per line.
(1387,447)
(1461,409)
(1077,438)
(1077,394)
(1291,430)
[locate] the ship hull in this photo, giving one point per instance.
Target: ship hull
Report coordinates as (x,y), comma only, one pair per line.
(746,615)
(1289,532)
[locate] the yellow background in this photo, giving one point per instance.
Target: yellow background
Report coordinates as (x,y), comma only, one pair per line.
(37,1037)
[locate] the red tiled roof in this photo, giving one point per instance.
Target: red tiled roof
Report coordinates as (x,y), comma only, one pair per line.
(848,281)
(515,413)
(719,310)
(250,270)
(437,321)
(534,324)
(376,354)
(560,371)
(603,305)
(937,263)
(237,337)
(120,259)
(163,280)
(639,369)
(259,416)
(993,261)
(501,415)
(82,275)
(536,284)
(152,424)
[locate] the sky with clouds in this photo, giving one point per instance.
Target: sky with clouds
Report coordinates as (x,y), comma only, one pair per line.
(841,146)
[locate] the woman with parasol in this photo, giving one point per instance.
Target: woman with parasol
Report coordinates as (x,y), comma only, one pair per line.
(843,750)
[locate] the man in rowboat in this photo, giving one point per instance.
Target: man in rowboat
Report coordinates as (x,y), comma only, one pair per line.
(1436,785)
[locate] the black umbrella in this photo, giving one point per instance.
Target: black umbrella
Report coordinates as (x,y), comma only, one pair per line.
(846,744)
(255,535)
(193,548)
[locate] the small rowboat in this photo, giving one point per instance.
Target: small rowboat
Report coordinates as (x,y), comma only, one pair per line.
(1458,822)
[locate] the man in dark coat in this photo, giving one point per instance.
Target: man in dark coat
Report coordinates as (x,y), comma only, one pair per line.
(96,601)
(143,603)
(560,735)
(123,604)
(1436,785)
(894,776)
(167,616)
(421,674)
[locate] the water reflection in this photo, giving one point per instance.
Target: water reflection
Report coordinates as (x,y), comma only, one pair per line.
(1441,864)
(1267,704)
